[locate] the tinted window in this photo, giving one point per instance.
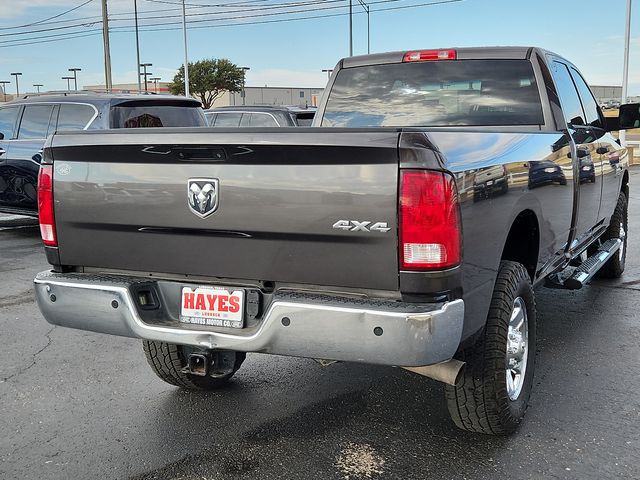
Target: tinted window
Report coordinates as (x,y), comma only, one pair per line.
(588,102)
(142,116)
(460,92)
(304,119)
(74,117)
(35,121)
(571,106)
(228,120)
(262,120)
(8,117)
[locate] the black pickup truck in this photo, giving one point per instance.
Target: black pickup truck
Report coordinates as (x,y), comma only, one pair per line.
(408,227)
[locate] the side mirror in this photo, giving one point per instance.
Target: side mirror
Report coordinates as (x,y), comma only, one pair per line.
(628,118)
(1,136)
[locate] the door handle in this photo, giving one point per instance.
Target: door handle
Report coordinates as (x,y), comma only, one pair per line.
(602,150)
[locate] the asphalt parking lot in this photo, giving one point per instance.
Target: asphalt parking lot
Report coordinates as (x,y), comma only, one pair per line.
(79,405)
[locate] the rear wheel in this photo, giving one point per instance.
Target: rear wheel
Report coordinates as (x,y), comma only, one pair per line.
(493,394)
(617,229)
(169,361)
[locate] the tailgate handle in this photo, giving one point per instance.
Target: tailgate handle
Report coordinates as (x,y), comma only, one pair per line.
(200,153)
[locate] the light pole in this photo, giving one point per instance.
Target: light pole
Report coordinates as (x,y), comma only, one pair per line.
(329,71)
(17,74)
(38,85)
(244,77)
(186,56)
(144,69)
(107,52)
(75,76)
(135,14)
(68,79)
(155,83)
(351,28)
(625,68)
(4,84)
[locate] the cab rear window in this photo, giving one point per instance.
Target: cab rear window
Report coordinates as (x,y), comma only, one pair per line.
(444,93)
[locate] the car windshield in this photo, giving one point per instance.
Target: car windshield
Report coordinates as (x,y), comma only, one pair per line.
(444,93)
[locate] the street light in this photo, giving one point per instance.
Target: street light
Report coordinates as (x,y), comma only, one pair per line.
(244,75)
(329,71)
(4,84)
(366,9)
(17,74)
(75,76)
(144,68)
(155,83)
(38,85)
(68,79)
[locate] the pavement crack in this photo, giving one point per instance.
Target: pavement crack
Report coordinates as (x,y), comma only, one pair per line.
(34,358)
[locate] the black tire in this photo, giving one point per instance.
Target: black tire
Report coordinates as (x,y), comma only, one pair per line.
(615,265)
(480,402)
(167,361)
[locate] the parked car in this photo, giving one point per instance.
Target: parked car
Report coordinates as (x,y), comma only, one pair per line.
(254,116)
(350,244)
(546,172)
(25,124)
(489,182)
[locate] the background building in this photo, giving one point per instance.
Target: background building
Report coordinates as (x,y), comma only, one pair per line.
(271,96)
(604,93)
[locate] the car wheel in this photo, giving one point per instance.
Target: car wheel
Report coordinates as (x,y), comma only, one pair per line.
(493,393)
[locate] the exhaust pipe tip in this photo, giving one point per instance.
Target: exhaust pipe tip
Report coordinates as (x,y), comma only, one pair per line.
(449,372)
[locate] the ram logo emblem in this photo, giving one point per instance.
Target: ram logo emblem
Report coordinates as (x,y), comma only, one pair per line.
(202,195)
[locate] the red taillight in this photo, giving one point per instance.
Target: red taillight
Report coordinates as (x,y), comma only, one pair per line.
(45,206)
(430,232)
(429,55)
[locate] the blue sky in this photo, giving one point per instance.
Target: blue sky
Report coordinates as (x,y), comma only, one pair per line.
(588,32)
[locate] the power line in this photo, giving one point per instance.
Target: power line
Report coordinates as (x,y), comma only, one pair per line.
(123,29)
(49,18)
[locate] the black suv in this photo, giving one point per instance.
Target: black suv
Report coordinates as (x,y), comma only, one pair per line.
(26,123)
(254,116)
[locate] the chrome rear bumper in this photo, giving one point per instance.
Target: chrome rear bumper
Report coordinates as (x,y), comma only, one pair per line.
(368,331)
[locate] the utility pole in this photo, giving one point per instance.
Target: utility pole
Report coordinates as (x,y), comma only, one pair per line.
(38,85)
(366,9)
(186,56)
(107,53)
(4,84)
(135,11)
(75,77)
(625,70)
(17,74)
(350,28)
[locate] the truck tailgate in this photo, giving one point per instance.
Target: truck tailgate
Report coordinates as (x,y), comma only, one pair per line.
(122,201)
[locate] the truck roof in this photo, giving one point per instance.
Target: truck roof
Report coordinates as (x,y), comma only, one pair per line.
(463,53)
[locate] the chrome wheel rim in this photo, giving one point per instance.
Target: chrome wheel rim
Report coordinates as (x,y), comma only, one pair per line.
(517,348)
(622,235)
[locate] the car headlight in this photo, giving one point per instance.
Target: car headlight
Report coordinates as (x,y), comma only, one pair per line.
(550,170)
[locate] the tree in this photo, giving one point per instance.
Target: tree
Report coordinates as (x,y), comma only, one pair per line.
(208,79)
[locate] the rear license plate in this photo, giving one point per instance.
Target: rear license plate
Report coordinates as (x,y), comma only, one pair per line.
(218,307)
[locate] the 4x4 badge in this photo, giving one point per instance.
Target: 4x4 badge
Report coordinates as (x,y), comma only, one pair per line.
(202,195)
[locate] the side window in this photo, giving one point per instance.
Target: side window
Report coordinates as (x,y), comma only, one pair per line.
(211,118)
(588,102)
(246,120)
(228,119)
(74,117)
(262,120)
(8,117)
(571,106)
(35,121)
